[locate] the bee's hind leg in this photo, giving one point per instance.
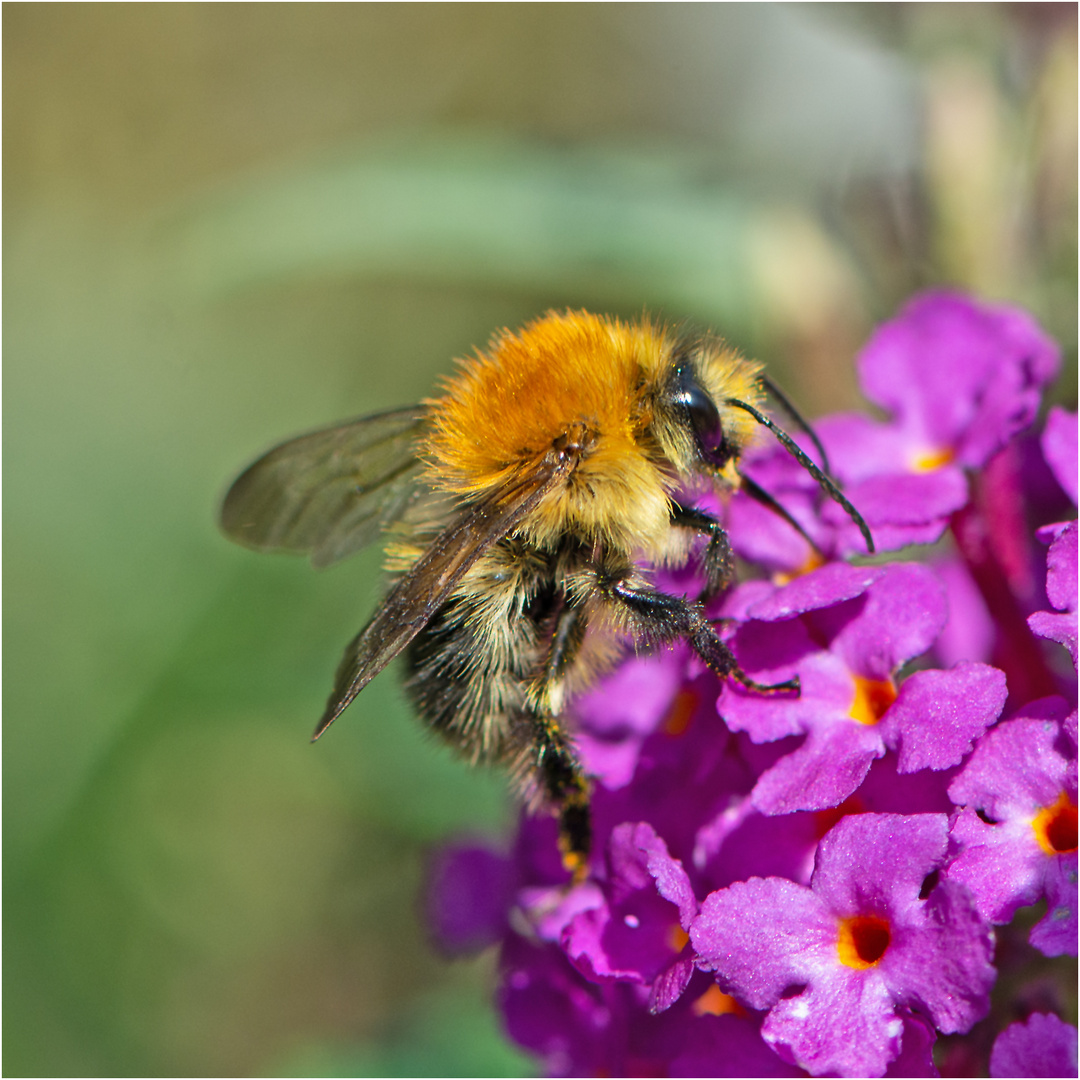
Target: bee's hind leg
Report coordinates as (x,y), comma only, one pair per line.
(564,785)
(555,763)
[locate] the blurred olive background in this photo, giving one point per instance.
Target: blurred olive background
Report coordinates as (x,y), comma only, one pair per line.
(228,223)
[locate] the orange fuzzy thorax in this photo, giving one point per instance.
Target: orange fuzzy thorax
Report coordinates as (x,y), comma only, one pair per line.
(507,405)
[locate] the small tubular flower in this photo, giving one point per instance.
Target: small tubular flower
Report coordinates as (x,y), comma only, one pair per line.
(1042,1045)
(638,931)
(838,962)
(846,651)
(1016,838)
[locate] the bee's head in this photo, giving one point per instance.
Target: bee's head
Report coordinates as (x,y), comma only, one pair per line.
(707,411)
(696,428)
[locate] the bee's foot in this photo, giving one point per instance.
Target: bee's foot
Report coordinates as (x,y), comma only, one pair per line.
(791,686)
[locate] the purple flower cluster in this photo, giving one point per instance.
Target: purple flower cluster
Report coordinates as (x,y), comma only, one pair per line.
(785,884)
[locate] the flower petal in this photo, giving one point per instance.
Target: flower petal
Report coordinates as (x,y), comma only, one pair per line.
(1042,1045)
(762,936)
(938,715)
(1059,447)
(822,772)
(843,1026)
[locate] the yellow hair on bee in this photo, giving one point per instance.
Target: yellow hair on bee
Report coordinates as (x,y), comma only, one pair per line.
(508,405)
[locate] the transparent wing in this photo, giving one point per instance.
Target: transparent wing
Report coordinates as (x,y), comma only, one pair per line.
(416,598)
(330,492)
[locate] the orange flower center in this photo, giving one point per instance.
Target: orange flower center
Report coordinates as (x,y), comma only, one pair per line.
(863,940)
(872,699)
(716,1003)
(1055,827)
(680,713)
(786,577)
(824,820)
(929,460)
(677,938)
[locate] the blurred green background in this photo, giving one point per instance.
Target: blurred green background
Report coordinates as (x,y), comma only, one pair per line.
(228,223)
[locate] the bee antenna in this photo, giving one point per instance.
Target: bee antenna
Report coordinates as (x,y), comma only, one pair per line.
(760,495)
(795,415)
(808,464)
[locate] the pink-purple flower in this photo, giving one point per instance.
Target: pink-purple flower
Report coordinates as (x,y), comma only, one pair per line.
(1061,586)
(812,883)
(1015,837)
(960,376)
(1043,1045)
(637,930)
(839,962)
(1059,447)
(959,379)
(846,651)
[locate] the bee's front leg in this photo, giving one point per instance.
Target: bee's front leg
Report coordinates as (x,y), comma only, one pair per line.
(717,562)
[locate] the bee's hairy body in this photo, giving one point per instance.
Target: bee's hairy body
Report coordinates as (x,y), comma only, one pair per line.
(529,497)
(536,619)
(494,668)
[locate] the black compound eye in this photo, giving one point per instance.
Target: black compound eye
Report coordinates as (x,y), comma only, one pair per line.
(703,415)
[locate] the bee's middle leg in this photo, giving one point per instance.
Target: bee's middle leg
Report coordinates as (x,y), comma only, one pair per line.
(660,617)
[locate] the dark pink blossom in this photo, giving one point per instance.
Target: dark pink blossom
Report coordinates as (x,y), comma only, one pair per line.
(1015,839)
(846,656)
(959,379)
(1042,1045)
(959,376)
(637,932)
(582,1028)
(1061,590)
(836,964)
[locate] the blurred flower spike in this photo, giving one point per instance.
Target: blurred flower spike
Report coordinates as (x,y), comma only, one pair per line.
(783,885)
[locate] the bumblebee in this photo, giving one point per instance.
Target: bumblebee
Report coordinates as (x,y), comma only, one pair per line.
(521,508)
